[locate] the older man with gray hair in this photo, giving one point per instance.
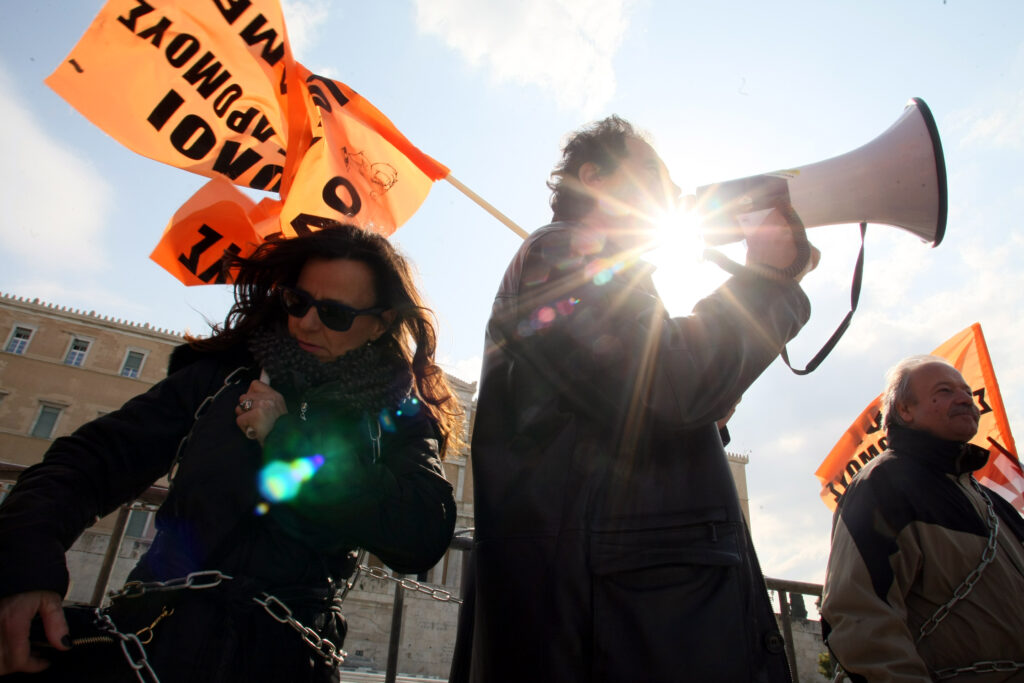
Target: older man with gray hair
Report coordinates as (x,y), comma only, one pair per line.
(925,580)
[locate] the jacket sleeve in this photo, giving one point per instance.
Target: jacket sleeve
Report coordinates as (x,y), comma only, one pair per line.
(84,476)
(398,506)
(864,615)
(591,328)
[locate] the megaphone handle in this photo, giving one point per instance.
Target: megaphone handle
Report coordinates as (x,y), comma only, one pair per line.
(803,247)
(858,274)
(803,253)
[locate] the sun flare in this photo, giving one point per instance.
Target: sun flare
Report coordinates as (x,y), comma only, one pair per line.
(682,276)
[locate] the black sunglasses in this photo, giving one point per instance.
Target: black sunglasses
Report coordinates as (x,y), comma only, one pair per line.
(336,316)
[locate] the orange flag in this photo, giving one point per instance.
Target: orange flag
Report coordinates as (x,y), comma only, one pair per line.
(212,88)
(866,438)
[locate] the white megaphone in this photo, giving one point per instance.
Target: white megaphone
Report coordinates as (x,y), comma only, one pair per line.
(897,179)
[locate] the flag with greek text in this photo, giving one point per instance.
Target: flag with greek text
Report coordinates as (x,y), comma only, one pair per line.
(865,438)
(213,88)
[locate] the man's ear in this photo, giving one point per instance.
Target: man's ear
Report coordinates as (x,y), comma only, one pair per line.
(903,410)
(590,174)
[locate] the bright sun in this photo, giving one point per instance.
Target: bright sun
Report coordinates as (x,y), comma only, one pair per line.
(683,277)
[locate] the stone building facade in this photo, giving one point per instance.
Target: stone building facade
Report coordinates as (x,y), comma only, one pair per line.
(61,368)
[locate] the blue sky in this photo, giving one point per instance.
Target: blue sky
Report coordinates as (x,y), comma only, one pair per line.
(726,89)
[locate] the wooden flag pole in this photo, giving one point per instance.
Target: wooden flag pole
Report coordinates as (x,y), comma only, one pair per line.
(487,206)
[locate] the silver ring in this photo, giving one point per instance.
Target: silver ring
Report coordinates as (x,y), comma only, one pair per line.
(250,433)
(246,405)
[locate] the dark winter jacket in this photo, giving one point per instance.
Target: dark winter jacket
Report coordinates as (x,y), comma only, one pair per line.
(610,544)
(392,501)
(908,531)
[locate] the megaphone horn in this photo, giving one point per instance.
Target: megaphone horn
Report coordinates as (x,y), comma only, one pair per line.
(897,179)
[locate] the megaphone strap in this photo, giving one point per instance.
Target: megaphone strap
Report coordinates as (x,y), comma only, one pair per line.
(858,273)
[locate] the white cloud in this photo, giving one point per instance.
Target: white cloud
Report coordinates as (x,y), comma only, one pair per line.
(303,19)
(993,120)
(792,546)
(563,46)
(466,369)
(790,443)
(999,127)
(55,203)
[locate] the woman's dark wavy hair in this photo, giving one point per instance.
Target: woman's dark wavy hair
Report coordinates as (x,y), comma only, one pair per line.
(603,143)
(280,261)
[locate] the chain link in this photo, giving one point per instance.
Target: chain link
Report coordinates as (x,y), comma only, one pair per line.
(989,554)
(965,587)
(199,581)
(968,583)
(281,612)
(994,666)
(229,381)
(133,649)
(194,581)
(136,657)
(411,585)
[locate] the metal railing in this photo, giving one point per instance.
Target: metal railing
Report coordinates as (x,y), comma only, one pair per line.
(786,590)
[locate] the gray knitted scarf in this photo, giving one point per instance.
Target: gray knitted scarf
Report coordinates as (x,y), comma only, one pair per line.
(365,380)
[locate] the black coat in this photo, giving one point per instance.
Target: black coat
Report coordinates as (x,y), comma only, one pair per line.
(610,544)
(396,505)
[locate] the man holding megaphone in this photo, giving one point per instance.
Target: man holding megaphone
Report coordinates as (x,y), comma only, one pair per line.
(610,544)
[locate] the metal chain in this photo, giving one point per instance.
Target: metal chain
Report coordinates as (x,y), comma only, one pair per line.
(131,646)
(411,585)
(194,581)
(350,582)
(961,592)
(968,584)
(280,611)
(994,666)
(199,581)
(229,381)
(987,666)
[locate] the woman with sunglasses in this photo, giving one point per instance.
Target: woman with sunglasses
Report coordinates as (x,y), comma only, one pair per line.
(312,423)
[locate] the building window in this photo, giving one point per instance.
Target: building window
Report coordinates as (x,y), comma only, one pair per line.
(138,523)
(133,364)
(45,422)
(18,342)
(76,352)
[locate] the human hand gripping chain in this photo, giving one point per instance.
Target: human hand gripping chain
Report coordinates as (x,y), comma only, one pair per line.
(258,410)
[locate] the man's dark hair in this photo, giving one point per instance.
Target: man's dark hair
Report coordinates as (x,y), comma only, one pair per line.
(603,143)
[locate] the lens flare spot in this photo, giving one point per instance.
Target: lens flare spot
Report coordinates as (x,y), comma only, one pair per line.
(281,481)
(601,271)
(387,423)
(410,406)
(262,508)
(565,306)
